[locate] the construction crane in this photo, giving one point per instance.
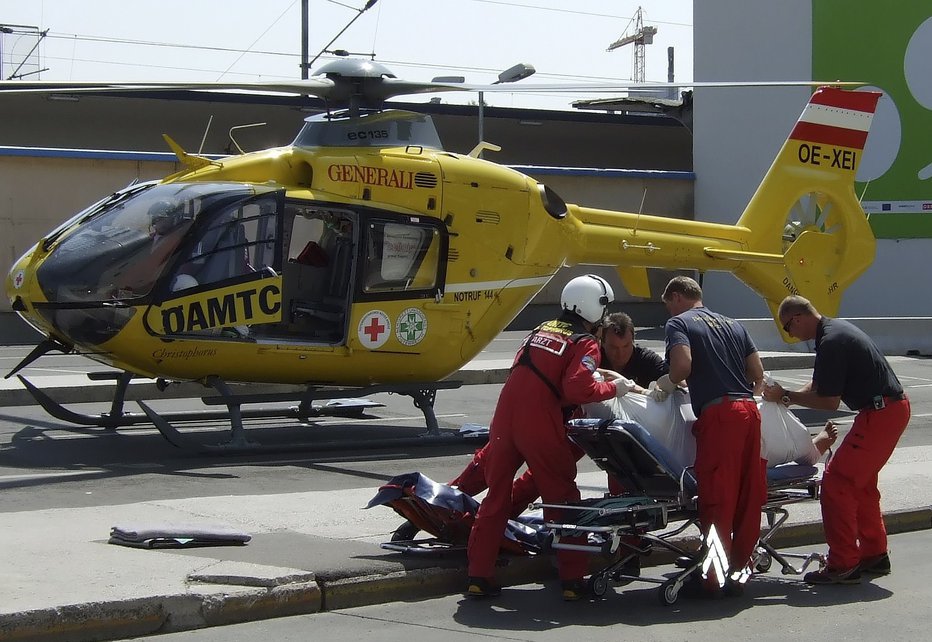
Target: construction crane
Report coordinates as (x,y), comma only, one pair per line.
(642,36)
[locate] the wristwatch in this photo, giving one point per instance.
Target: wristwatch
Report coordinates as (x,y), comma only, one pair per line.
(785,399)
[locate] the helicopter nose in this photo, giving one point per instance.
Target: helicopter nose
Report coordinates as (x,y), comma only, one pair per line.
(18,284)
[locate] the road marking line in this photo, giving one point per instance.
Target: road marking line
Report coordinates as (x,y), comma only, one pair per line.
(73,473)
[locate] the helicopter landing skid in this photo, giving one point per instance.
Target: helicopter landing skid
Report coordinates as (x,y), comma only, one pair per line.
(422,394)
(119,418)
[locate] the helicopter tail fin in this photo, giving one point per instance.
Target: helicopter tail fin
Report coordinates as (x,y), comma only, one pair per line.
(807,232)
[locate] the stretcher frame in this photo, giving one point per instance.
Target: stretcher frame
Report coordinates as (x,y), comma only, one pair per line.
(658,492)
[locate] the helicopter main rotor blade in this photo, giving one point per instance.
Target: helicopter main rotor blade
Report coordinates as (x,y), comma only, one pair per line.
(314,86)
(374,89)
(611,87)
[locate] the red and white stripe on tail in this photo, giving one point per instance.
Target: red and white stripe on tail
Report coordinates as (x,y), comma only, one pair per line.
(833,127)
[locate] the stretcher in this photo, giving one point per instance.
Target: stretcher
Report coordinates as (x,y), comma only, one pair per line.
(659,492)
(659,504)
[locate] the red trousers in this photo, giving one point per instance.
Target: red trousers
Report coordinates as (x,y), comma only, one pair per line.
(524,490)
(533,433)
(731,476)
(854,528)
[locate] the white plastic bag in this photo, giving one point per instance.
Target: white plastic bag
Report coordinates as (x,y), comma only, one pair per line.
(669,422)
(783,437)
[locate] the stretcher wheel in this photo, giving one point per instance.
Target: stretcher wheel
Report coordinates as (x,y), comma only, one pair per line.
(598,584)
(764,562)
(668,593)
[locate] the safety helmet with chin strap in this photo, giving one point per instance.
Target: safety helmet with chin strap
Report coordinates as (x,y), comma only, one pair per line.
(587,296)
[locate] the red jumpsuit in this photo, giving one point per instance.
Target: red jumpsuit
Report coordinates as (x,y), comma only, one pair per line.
(524,490)
(528,426)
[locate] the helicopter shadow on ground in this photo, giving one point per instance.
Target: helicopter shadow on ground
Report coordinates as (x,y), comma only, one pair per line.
(48,445)
(636,605)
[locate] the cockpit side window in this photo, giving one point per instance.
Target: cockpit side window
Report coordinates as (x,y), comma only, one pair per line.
(237,241)
(401,258)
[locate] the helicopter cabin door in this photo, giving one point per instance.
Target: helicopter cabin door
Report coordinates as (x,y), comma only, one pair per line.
(317,273)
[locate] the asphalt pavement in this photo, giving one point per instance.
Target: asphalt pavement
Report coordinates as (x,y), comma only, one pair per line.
(309,552)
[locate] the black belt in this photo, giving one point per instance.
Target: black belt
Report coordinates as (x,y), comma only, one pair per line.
(728,397)
(887,399)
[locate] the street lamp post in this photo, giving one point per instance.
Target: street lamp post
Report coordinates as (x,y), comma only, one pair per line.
(512,74)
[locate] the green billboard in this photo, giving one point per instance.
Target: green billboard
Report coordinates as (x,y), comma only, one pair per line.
(889,47)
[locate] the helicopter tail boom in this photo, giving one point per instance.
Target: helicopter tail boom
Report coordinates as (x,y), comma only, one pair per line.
(803,232)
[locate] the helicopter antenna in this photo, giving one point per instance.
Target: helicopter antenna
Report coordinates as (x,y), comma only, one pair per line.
(861,198)
(369,4)
(233,140)
(640,209)
(204,139)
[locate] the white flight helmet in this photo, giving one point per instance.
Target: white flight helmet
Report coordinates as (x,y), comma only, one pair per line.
(587,296)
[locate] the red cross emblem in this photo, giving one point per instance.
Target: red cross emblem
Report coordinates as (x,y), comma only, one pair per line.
(18,280)
(374,329)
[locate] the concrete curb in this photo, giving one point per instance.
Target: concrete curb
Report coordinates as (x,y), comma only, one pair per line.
(222,605)
(159,614)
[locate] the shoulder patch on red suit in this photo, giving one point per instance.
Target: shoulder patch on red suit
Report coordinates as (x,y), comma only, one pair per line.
(549,342)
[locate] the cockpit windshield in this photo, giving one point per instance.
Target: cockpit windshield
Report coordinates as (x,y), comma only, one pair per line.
(120,252)
(394,128)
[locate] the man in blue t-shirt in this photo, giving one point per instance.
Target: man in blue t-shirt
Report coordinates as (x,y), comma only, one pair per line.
(715,356)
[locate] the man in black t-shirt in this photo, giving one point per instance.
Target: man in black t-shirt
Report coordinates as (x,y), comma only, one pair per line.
(848,368)
(621,354)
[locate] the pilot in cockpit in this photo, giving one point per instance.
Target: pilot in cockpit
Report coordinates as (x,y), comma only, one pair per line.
(165,216)
(168,223)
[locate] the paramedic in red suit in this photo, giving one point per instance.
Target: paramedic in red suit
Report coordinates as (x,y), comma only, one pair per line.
(850,368)
(723,370)
(551,375)
(619,354)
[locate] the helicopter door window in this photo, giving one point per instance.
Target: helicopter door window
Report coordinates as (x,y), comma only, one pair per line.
(401,257)
(317,274)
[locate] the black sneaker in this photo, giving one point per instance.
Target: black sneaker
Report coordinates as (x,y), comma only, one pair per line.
(876,565)
(574,590)
(482,587)
(696,588)
(733,588)
(834,576)
(684,561)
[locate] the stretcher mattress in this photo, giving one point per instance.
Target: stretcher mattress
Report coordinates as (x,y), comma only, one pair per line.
(645,466)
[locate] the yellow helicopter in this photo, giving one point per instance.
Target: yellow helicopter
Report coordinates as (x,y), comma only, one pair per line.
(365,256)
